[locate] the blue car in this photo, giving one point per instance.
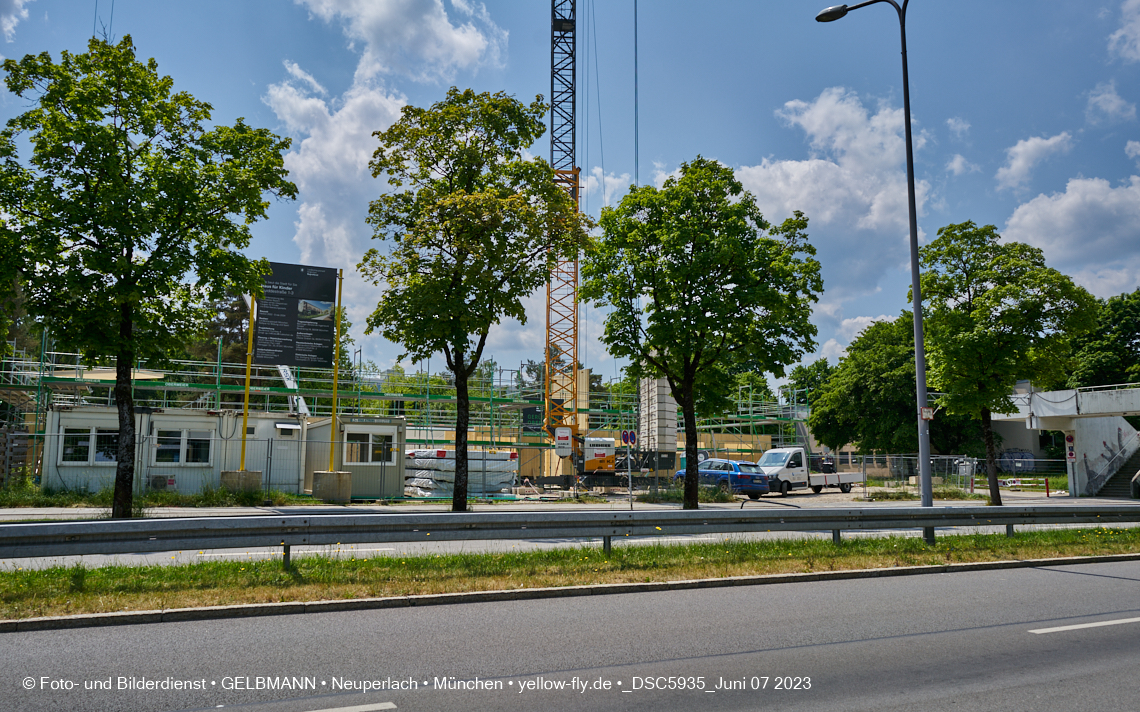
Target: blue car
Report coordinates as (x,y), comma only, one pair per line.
(736,476)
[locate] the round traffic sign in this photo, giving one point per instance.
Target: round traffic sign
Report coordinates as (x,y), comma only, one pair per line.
(633,437)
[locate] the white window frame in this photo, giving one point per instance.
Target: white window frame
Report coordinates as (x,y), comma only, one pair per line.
(92,440)
(183,443)
(373,437)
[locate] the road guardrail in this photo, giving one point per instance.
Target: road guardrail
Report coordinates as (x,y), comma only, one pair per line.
(54,539)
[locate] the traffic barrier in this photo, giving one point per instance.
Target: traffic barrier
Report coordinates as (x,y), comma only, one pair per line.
(54,539)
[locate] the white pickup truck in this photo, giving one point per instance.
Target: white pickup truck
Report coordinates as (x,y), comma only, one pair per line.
(787,469)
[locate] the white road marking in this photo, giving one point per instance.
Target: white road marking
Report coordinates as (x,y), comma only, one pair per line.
(1098,624)
(361,708)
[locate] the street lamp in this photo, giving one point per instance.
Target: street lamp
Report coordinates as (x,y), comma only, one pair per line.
(830,15)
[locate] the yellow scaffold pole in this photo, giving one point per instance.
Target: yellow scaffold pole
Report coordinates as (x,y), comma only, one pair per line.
(336,366)
(248,367)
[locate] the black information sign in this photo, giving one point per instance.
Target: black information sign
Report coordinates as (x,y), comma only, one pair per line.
(532,419)
(295,324)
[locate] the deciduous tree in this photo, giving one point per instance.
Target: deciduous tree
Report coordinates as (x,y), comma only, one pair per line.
(868,401)
(995,314)
(1110,353)
(702,288)
(130,209)
(475,226)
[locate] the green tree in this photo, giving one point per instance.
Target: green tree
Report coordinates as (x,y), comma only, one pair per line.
(805,381)
(702,288)
(869,399)
(754,386)
(11,264)
(996,314)
(229,321)
(1110,353)
(475,227)
(125,196)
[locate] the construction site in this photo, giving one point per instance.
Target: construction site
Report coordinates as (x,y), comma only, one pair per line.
(50,402)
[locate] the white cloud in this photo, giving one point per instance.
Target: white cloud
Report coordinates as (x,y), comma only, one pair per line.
(11,12)
(852,188)
(416,38)
(1125,42)
(1106,106)
(1091,231)
(959,165)
(851,328)
(297,73)
(1132,150)
(660,175)
(329,164)
(832,350)
(613,184)
(958,126)
(333,139)
(1026,154)
(856,175)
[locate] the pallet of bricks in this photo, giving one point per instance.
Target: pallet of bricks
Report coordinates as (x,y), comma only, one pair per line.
(14,452)
(431,473)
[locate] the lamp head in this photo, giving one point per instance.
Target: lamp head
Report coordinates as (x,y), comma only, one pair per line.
(831,14)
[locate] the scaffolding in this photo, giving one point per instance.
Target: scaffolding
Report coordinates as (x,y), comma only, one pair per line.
(500,400)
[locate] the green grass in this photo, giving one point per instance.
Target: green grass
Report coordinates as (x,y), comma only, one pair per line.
(31,495)
(943,493)
(70,590)
(676,495)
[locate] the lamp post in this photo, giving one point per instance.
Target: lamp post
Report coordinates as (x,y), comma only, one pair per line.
(830,15)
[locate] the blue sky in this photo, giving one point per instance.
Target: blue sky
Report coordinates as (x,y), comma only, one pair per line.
(1024,116)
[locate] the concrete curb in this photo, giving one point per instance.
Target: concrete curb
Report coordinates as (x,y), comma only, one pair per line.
(93,620)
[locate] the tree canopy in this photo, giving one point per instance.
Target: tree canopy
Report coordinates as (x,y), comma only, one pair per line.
(869,399)
(996,314)
(129,209)
(474,227)
(805,382)
(702,288)
(1110,353)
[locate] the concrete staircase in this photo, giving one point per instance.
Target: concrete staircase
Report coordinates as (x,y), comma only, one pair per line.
(1120,484)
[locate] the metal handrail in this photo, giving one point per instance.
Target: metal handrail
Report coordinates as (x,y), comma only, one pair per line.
(1096,484)
(52,539)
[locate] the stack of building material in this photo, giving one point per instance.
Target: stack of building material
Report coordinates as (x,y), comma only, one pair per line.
(431,473)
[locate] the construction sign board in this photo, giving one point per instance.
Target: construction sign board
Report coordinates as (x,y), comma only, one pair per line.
(295,320)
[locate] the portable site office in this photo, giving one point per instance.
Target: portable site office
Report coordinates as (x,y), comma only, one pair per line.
(187,450)
(371,448)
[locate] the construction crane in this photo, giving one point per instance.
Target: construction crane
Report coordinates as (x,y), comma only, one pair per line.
(561,387)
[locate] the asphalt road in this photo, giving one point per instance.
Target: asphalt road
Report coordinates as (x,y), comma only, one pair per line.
(962,642)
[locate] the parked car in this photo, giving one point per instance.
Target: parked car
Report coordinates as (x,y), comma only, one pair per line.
(736,476)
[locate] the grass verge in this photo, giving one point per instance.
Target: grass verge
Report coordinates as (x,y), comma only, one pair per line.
(676,495)
(66,591)
(943,493)
(30,495)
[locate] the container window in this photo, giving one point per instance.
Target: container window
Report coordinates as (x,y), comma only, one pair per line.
(76,445)
(198,446)
(382,448)
(356,448)
(106,445)
(169,447)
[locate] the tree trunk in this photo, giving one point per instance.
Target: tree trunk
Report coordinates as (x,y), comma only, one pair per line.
(689,414)
(462,416)
(122,502)
(991,458)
